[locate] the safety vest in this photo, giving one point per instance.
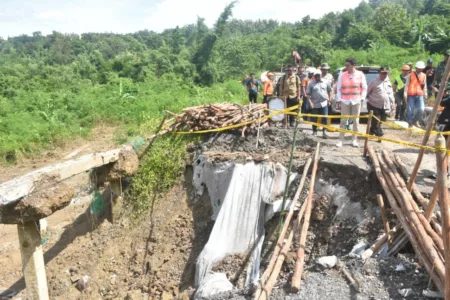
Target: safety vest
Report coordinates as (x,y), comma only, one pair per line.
(351,86)
(415,87)
(400,83)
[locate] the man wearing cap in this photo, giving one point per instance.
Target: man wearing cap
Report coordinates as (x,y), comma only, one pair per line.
(441,69)
(415,90)
(399,89)
(319,97)
(351,91)
(430,71)
(290,88)
(380,98)
(326,76)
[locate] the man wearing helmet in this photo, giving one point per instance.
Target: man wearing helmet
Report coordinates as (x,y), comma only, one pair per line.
(413,96)
(399,89)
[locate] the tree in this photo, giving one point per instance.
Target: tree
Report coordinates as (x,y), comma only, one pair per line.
(393,22)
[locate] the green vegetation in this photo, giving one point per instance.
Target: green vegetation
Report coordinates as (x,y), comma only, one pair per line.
(57,86)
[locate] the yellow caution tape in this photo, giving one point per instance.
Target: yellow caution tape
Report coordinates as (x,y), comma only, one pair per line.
(278,112)
(330,116)
(415,130)
(373,137)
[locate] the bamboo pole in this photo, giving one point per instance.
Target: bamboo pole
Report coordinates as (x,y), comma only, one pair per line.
(430,125)
(410,212)
(441,161)
(406,226)
(434,195)
(383,216)
(369,124)
(277,268)
(433,201)
(286,187)
(380,242)
(296,279)
(280,240)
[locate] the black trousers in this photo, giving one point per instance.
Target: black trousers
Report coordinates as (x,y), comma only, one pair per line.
(380,113)
(253,97)
(292,102)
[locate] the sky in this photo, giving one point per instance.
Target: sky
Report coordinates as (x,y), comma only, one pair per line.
(123,16)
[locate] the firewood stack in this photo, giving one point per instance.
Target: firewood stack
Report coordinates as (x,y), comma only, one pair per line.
(424,236)
(215,116)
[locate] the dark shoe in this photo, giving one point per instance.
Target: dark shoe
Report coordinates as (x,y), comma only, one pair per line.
(292,125)
(325,135)
(314,133)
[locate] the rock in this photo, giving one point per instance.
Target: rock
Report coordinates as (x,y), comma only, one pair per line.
(134,295)
(432,294)
(82,283)
(184,296)
(358,249)
(327,262)
(405,292)
(399,268)
(74,278)
(166,296)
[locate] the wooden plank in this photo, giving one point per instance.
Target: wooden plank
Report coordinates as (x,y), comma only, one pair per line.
(33,266)
(17,188)
(116,200)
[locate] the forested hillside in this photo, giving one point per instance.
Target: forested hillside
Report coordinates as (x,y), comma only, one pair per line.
(56,86)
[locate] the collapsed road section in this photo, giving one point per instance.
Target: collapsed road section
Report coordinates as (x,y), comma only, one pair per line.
(219,235)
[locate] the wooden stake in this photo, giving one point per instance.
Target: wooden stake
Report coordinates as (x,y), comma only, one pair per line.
(33,266)
(369,123)
(296,279)
(430,125)
(280,241)
(383,216)
(441,161)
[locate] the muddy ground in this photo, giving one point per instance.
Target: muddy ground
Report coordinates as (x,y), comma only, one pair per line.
(154,257)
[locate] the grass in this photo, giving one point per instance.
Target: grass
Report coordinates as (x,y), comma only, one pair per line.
(36,120)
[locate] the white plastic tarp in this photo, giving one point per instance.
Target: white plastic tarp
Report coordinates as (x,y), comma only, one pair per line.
(239,194)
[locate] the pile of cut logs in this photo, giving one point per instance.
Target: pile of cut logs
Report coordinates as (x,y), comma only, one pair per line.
(215,116)
(418,221)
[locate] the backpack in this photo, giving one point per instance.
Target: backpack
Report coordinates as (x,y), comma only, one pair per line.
(284,78)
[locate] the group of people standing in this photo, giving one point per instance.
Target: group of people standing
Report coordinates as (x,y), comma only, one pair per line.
(406,93)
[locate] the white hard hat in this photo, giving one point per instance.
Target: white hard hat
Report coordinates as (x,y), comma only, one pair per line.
(311,70)
(420,65)
(317,72)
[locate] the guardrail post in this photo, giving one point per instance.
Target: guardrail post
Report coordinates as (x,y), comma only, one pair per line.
(369,124)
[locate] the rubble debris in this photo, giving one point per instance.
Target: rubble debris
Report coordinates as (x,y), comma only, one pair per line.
(327,262)
(406,292)
(82,283)
(432,294)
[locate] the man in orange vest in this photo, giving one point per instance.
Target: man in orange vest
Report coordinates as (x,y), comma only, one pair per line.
(351,91)
(415,89)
